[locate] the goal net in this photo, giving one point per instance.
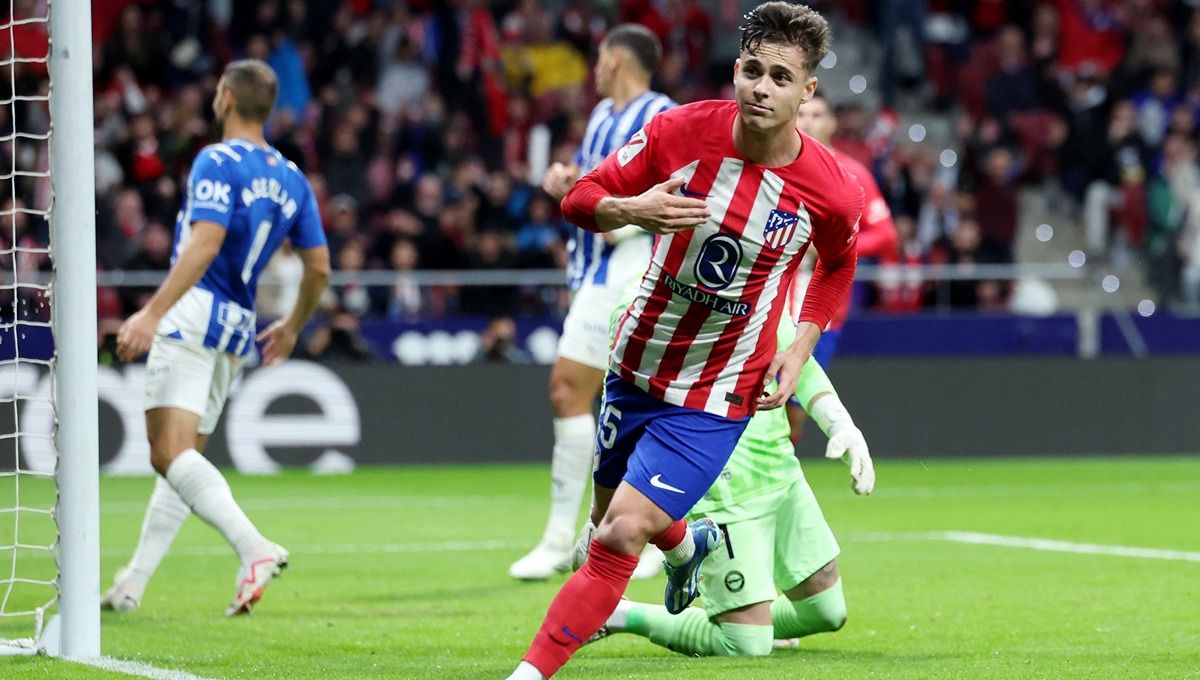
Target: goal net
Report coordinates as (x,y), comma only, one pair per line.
(47,238)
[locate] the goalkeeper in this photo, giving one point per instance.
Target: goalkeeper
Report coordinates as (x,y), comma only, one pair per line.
(776,538)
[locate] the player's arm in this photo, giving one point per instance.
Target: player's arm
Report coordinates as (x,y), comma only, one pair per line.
(835,241)
(308,238)
(137,333)
(280,337)
(846,442)
(628,188)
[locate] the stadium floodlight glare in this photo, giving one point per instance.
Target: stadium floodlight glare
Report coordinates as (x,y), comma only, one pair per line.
(47,515)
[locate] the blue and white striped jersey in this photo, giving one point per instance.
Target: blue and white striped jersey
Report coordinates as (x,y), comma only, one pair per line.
(260,198)
(607,131)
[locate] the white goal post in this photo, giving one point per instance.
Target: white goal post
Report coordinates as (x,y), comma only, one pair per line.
(73,243)
(49,519)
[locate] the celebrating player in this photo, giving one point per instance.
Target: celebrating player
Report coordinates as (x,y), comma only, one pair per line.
(243,199)
(735,194)
(601,267)
(776,537)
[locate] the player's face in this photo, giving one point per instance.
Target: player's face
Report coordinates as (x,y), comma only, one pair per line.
(604,69)
(770,84)
(222,102)
(816,120)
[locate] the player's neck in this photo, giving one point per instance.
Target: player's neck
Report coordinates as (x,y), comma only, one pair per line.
(235,128)
(625,91)
(770,148)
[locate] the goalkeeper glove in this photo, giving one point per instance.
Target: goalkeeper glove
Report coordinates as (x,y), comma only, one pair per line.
(848,444)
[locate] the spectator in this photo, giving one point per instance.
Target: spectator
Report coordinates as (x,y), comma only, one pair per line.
(154,255)
(497,344)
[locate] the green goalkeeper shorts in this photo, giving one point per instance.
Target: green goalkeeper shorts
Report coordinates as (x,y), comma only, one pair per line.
(772,543)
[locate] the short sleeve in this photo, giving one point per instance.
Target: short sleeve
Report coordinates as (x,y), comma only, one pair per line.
(210,188)
(307,232)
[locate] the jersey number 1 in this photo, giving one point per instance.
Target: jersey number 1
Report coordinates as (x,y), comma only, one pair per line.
(256,249)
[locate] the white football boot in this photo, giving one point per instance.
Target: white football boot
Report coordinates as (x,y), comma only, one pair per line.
(253,577)
(125,595)
(550,557)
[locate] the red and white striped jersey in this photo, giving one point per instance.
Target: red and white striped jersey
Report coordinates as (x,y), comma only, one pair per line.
(701,331)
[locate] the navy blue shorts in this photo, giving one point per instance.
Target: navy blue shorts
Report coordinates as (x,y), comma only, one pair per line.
(670,453)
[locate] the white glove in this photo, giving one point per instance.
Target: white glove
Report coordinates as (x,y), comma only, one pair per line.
(849,445)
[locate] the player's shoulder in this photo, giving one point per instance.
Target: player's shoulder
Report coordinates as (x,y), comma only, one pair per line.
(218,155)
(696,118)
(840,187)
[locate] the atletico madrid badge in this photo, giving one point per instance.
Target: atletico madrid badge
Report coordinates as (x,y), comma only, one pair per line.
(781,226)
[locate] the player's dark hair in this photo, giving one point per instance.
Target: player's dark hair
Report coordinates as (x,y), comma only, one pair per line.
(641,43)
(788,24)
(254,86)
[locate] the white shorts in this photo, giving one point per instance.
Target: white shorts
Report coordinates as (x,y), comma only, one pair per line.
(190,377)
(587,331)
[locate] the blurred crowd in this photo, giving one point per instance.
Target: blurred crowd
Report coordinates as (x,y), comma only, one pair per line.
(423,125)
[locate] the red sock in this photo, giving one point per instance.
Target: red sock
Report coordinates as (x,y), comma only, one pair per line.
(583,604)
(671,536)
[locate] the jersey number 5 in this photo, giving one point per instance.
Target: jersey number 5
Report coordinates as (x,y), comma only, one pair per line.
(608,426)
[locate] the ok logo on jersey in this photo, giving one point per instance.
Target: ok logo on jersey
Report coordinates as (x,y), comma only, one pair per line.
(718,261)
(209,191)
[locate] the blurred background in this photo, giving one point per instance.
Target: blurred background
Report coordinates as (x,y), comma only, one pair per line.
(1039,158)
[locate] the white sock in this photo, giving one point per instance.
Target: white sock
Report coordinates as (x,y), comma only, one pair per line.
(526,671)
(620,616)
(574,441)
(165,514)
(682,552)
(203,488)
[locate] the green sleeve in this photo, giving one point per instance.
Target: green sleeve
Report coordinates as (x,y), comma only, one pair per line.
(813,380)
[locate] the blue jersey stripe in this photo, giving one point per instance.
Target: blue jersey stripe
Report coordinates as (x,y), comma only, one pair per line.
(607,130)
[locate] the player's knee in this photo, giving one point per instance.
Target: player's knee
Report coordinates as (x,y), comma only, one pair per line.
(163,453)
(567,396)
(624,533)
(827,610)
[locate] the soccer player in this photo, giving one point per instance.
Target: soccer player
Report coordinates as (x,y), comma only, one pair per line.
(775,537)
(876,235)
(600,269)
(735,194)
(243,199)
(877,231)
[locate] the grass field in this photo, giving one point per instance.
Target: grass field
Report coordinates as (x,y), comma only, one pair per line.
(400,573)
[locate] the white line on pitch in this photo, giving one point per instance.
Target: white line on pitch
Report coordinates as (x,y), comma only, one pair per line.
(323,503)
(1031,543)
(137,668)
(319,549)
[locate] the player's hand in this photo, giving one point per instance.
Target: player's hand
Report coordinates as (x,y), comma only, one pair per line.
(787,365)
(559,179)
(659,210)
(136,335)
(849,445)
(280,340)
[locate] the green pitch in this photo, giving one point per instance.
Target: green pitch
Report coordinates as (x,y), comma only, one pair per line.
(400,573)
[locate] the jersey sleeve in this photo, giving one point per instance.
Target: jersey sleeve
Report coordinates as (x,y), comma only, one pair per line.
(307,231)
(628,171)
(877,231)
(210,188)
(836,240)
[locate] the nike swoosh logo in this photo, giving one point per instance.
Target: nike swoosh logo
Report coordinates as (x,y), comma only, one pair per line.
(691,194)
(657,482)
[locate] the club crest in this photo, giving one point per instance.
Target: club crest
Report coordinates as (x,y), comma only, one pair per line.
(780,228)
